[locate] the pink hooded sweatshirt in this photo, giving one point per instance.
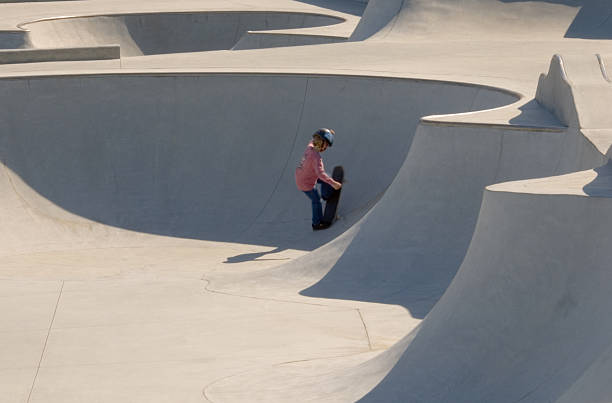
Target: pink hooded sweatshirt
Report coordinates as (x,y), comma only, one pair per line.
(310,169)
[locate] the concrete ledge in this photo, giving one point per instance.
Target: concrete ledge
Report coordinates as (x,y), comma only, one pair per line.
(108,52)
(13,39)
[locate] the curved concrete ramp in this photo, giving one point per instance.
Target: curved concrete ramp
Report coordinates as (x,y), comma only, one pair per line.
(158,33)
(526,319)
(375,17)
(491,19)
(408,248)
(152,154)
(422,227)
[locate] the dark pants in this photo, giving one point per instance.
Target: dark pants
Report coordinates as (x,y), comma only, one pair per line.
(314,196)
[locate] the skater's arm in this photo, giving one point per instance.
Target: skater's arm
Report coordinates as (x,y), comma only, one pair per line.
(320,168)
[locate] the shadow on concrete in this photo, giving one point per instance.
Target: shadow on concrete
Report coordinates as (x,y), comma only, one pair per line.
(593,21)
(202,156)
(601,186)
(415,285)
(250,257)
(345,6)
(533,114)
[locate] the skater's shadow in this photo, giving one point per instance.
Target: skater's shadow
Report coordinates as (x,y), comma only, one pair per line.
(250,257)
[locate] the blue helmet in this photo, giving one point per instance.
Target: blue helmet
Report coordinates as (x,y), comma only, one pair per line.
(327,135)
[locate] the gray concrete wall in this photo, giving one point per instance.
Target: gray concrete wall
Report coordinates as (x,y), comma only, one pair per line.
(433,205)
(527,314)
(259,40)
(13,39)
(476,19)
(204,156)
(108,52)
(146,34)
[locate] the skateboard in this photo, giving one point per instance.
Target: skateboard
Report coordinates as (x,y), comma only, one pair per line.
(331,206)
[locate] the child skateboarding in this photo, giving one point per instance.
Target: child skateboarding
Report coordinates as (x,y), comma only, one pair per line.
(311,171)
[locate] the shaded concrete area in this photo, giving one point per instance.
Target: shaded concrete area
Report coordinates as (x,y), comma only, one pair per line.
(146,34)
(160,164)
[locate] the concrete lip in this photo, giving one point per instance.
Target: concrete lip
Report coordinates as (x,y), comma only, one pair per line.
(160,33)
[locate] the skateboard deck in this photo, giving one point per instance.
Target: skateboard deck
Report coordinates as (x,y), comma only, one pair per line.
(331,206)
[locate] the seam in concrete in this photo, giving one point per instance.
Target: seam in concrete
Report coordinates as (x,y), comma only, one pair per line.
(237,31)
(23,201)
(42,355)
(208,386)
(365,328)
(393,22)
(214,71)
(560,158)
(33,210)
(474,99)
(604,22)
(333,15)
(503,126)
(602,67)
(290,154)
(206,288)
(331,357)
(499,158)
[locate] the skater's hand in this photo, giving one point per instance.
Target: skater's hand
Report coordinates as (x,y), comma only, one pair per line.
(337,185)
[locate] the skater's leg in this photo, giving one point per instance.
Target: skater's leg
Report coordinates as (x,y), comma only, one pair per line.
(317,208)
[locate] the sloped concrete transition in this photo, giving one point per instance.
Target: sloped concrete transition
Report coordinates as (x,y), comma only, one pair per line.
(146,34)
(153,246)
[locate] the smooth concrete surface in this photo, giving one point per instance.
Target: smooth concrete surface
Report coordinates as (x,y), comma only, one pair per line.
(154,150)
(146,34)
(259,40)
(154,247)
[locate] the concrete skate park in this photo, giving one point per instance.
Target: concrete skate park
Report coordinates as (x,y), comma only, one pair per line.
(154,246)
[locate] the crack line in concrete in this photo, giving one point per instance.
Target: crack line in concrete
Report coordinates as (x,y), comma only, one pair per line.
(365,328)
(254,370)
(290,154)
(287,301)
(42,355)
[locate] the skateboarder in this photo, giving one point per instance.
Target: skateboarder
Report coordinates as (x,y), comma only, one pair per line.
(311,171)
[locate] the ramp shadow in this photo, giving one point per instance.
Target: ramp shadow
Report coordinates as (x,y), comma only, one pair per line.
(201,156)
(399,279)
(350,7)
(601,186)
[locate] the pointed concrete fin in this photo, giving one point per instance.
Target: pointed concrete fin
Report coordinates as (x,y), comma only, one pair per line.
(578,91)
(554,93)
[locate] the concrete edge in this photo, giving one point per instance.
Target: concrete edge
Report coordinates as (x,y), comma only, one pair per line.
(509,126)
(23,25)
(298,34)
(105,52)
(254,72)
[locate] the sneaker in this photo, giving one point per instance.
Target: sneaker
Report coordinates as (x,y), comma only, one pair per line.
(320,226)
